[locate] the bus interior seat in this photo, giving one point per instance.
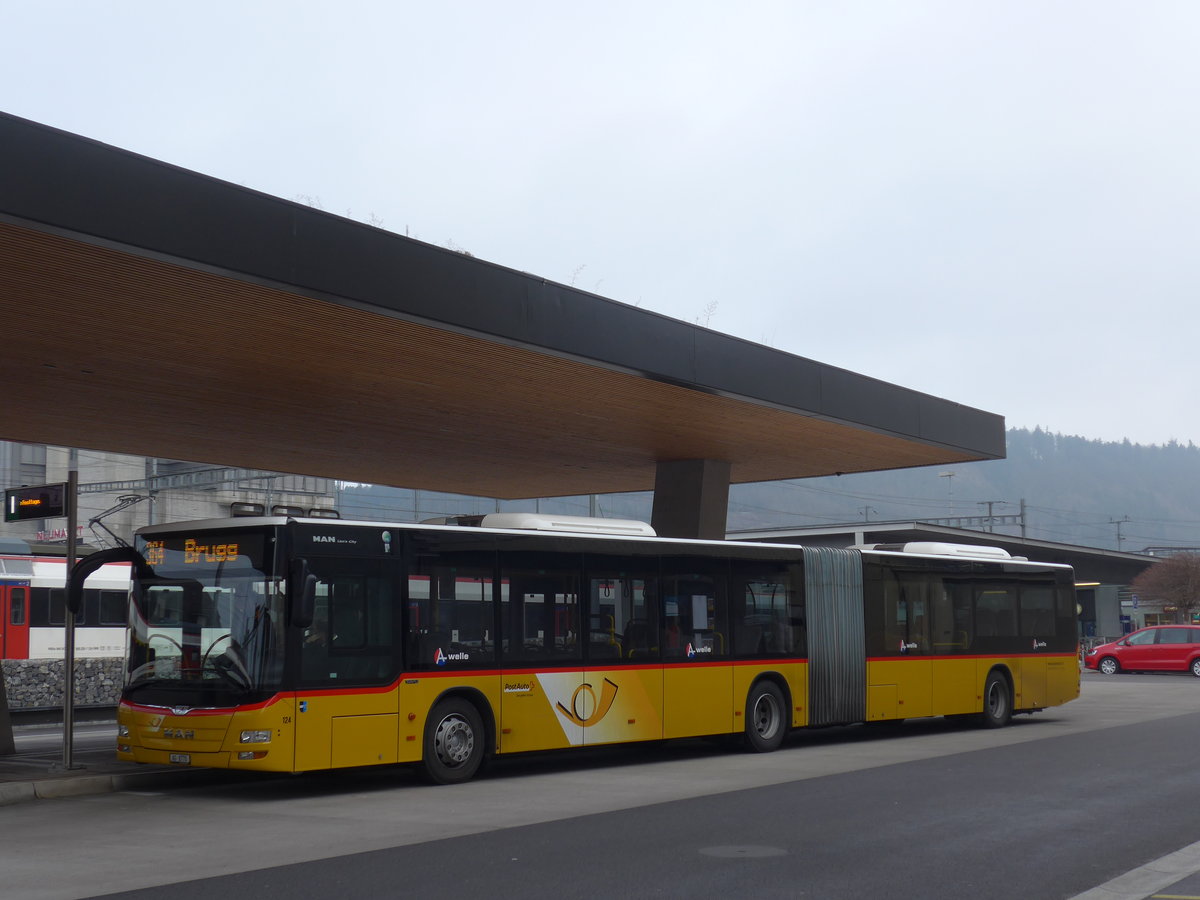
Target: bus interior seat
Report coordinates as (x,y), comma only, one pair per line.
(1005,624)
(985,623)
(749,640)
(637,637)
(604,646)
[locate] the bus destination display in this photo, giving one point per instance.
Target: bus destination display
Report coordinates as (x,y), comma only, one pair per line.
(194,552)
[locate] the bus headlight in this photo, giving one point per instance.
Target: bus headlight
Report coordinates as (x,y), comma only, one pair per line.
(122,731)
(255,737)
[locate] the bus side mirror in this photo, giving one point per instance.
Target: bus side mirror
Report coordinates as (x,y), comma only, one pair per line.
(303,593)
(90,563)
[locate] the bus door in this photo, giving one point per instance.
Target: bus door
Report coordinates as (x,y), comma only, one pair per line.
(697,677)
(14,621)
(541,652)
(952,637)
(346,711)
(621,698)
(1037,606)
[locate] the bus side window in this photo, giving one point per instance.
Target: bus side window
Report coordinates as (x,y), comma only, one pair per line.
(921,590)
(765,609)
(996,610)
(695,617)
(451,618)
(1037,610)
(622,610)
(895,613)
(542,620)
(450,604)
(964,622)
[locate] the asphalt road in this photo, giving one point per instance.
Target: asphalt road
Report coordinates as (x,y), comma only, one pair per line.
(1051,807)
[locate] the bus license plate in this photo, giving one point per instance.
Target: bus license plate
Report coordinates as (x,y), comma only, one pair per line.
(184,759)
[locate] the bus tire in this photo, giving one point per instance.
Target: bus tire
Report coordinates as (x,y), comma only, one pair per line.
(765,722)
(454,742)
(997,701)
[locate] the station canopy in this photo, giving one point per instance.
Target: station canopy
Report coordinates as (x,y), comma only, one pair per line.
(155,311)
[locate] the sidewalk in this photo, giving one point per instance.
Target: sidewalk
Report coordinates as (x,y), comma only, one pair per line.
(38,773)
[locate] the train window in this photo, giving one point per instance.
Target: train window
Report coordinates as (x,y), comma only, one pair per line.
(89,602)
(113,607)
(58,606)
(17,606)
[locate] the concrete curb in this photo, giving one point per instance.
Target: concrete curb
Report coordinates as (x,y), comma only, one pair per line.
(14,792)
(17,792)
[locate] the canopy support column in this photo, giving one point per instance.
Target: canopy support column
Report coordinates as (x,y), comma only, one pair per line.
(691,498)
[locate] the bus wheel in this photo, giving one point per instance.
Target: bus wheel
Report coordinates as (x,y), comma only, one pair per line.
(765,725)
(453,742)
(997,701)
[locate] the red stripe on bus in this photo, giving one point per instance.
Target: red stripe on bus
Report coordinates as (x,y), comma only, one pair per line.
(917,656)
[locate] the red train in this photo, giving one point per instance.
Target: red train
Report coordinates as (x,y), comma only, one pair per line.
(33,609)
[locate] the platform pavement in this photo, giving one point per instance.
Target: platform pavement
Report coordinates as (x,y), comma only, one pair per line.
(38,773)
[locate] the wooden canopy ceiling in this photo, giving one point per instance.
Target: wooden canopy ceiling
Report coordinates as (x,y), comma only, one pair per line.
(154,311)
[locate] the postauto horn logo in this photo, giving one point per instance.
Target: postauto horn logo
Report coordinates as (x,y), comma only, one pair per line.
(584,699)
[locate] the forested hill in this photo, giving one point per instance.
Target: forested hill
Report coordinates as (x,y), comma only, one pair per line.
(1075,491)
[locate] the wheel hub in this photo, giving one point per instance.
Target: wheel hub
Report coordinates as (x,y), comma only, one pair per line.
(766,718)
(454,741)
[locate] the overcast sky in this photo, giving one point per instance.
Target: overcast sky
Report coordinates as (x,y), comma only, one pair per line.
(996,203)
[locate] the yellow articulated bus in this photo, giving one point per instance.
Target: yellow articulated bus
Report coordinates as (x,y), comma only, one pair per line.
(291,645)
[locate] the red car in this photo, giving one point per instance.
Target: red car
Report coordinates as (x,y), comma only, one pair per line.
(1159,648)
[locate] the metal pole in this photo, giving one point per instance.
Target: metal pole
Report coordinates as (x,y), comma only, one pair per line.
(69,629)
(151,471)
